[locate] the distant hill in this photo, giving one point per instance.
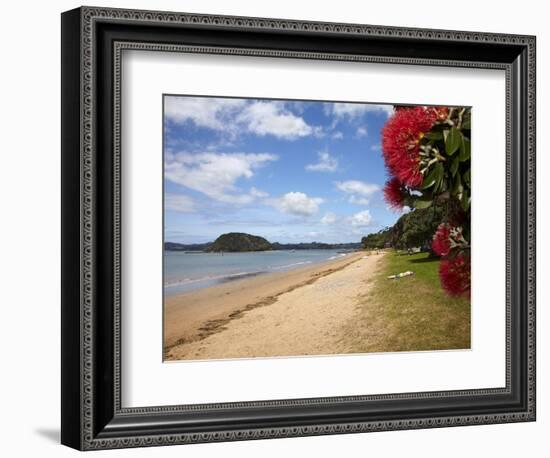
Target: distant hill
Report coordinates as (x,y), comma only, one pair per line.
(260,244)
(238,242)
(172,246)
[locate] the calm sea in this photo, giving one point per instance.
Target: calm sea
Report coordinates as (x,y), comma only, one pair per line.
(185,271)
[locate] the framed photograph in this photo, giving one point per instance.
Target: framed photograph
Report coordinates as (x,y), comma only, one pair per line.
(276,228)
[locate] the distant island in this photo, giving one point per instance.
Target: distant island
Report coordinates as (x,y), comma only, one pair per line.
(236,242)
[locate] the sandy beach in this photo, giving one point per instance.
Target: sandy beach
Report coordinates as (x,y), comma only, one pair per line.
(299,312)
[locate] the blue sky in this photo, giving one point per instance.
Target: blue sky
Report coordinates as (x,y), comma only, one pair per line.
(289,171)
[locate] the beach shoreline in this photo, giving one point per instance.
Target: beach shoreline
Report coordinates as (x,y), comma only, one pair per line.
(199,324)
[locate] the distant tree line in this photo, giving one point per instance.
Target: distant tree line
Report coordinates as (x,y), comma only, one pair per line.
(316,246)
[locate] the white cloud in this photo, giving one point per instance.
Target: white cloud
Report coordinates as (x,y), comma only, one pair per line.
(216,174)
(272,118)
(179,203)
(355,110)
(359,192)
(297,203)
(337,135)
(210,112)
(235,116)
(329,218)
(401,211)
(361,132)
(353,199)
(258,192)
(357,187)
(376,147)
(326,163)
(361,219)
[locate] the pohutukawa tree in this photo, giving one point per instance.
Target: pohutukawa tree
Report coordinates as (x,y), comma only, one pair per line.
(427,155)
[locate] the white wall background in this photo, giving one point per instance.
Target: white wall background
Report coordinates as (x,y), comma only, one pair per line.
(30,214)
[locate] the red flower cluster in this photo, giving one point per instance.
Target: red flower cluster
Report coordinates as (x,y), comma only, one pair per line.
(454,273)
(454,268)
(393,194)
(401,137)
(441,243)
(447,237)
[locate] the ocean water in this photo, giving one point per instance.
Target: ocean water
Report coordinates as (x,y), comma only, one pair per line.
(186,271)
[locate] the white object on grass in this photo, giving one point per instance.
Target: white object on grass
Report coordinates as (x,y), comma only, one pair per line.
(401,275)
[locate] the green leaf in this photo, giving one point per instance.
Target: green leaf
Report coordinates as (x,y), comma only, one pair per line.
(466,124)
(465,201)
(439,172)
(429,179)
(453,141)
(457,189)
(466,178)
(433,176)
(434,135)
(465,149)
(454,165)
(423,202)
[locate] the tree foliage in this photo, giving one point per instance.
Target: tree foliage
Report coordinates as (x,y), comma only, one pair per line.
(427,153)
(413,229)
(416,228)
(377,240)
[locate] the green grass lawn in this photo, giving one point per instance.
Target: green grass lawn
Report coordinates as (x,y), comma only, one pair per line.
(411,313)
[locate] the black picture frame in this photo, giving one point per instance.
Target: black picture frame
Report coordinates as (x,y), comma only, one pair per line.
(92,416)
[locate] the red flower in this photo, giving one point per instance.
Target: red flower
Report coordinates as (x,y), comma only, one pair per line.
(401,143)
(447,237)
(441,243)
(393,194)
(441,113)
(454,274)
